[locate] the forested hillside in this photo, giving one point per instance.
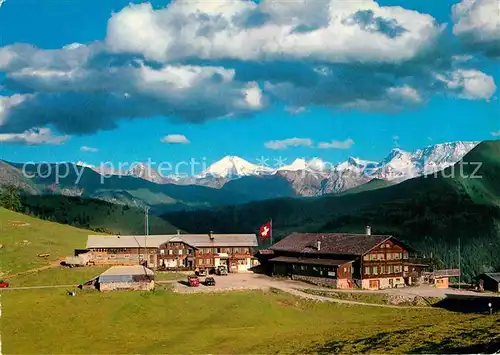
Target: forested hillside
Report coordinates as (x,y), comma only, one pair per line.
(93,214)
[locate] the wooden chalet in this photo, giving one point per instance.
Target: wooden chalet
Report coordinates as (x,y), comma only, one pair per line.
(175,252)
(345,260)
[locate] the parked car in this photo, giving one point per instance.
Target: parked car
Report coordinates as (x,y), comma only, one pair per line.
(221,270)
(202,272)
(209,281)
(4,284)
(193,281)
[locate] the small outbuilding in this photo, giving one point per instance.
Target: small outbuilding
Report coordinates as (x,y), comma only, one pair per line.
(136,277)
(489,281)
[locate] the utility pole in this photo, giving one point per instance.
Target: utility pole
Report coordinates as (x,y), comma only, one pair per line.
(146,220)
(146,233)
(459,266)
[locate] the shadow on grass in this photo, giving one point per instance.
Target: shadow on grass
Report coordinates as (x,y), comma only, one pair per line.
(474,341)
(469,304)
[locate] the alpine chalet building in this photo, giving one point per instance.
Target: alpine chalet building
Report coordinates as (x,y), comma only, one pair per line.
(344,260)
(175,252)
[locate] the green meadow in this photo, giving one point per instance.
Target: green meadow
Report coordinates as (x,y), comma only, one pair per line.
(49,321)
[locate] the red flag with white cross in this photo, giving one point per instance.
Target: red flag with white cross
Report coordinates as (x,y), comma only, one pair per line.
(265,230)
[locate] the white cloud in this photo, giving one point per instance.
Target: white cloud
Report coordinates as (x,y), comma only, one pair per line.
(469,84)
(2,2)
(175,139)
(209,58)
(295,110)
(35,136)
(68,98)
(477,24)
(333,31)
(496,134)
(347,144)
(405,93)
(290,142)
(88,149)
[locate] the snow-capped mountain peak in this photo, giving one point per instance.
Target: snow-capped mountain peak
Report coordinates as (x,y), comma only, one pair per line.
(298,164)
(233,167)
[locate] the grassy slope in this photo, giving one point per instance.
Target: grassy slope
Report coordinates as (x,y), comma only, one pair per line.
(93,214)
(240,322)
(41,236)
(374,184)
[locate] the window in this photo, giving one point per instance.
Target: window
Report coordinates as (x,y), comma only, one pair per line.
(372,256)
(367,270)
(352,270)
(406,268)
(405,255)
(397,268)
(391,269)
(179,251)
(170,252)
(190,251)
(242,262)
(345,269)
(162,252)
(218,250)
(375,270)
(236,250)
(387,245)
(366,257)
(380,257)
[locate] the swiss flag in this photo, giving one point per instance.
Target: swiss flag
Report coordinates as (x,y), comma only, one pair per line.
(265,230)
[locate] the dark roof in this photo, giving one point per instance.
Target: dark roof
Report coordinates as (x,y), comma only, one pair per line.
(492,275)
(344,244)
(266,252)
(328,262)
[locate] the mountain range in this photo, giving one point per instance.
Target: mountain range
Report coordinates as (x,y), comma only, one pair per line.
(313,177)
(229,180)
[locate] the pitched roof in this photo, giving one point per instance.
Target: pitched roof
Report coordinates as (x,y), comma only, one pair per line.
(493,275)
(222,240)
(126,241)
(127,270)
(344,244)
(311,261)
(154,241)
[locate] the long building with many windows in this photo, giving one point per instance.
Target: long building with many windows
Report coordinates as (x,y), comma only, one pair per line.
(175,252)
(344,260)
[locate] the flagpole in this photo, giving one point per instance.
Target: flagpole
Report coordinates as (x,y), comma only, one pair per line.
(271,231)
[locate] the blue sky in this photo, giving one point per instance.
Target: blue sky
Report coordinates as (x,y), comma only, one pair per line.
(358,98)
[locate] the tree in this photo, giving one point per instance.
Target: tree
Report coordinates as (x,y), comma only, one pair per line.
(10,198)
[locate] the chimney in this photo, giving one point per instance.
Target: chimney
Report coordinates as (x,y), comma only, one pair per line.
(211,235)
(368,230)
(178,231)
(318,245)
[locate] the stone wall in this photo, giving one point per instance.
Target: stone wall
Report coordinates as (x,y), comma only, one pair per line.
(137,286)
(319,281)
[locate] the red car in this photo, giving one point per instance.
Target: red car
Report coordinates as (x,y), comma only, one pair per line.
(193,281)
(4,284)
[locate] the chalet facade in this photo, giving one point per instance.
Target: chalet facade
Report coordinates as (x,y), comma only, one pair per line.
(345,260)
(176,252)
